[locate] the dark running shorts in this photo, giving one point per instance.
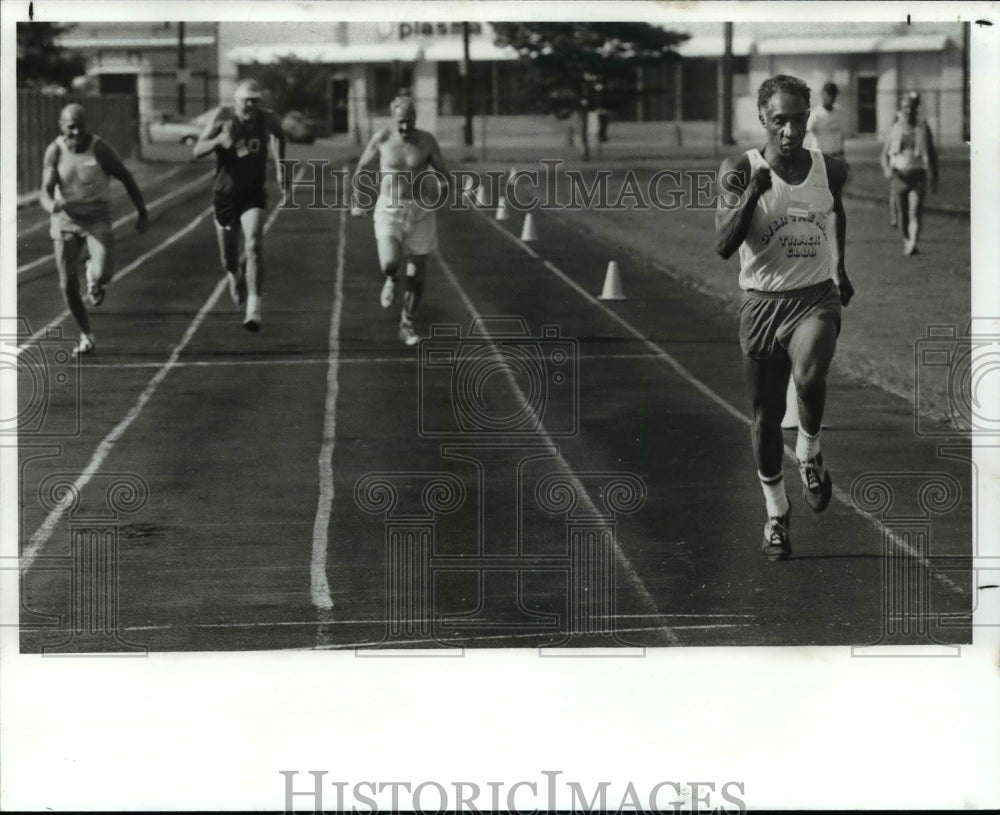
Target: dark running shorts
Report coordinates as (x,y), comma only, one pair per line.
(229,208)
(768,319)
(910,180)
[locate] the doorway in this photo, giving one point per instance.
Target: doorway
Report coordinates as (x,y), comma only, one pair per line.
(339,91)
(118,83)
(867,104)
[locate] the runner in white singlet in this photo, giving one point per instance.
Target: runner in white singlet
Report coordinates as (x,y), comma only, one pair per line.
(782,209)
(76,172)
(404,216)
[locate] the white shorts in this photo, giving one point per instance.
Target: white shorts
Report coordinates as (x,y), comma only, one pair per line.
(405,221)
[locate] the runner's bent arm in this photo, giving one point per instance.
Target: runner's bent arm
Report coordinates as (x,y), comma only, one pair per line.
(739,191)
(932,158)
(50,180)
(217,133)
(884,157)
(368,156)
(278,143)
(436,161)
(113,166)
(836,173)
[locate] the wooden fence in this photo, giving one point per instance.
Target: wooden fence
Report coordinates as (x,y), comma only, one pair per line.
(115,118)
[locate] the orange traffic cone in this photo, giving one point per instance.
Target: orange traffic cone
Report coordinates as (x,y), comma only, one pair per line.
(612,283)
(502,214)
(528,232)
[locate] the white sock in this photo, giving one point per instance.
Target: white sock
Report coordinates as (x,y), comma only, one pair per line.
(774,494)
(806,446)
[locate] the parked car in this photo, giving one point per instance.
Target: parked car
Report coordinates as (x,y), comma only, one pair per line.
(175,129)
(300,128)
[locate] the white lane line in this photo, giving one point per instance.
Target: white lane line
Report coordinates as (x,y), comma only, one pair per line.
(27,267)
(128,269)
(149,183)
(319,586)
(896,539)
(543,434)
(384,623)
(44,532)
(400,360)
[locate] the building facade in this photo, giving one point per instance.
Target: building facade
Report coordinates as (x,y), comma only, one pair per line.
(188,68)
(168,66)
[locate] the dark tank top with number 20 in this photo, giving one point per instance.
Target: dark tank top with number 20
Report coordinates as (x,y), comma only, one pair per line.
(241,169)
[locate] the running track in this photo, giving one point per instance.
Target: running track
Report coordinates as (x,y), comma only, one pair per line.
(252,527)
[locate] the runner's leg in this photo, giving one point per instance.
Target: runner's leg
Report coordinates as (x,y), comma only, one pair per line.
(811,350)
(100,245)
(767,384)
(252,224)
(915,207)
(416,268)
(67,254)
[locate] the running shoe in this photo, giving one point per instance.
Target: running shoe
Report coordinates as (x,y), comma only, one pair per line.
(817,486)
(777,543)
(252,321)
(95,292)
(85,346)
(237,288)
(388,296)
(407,334)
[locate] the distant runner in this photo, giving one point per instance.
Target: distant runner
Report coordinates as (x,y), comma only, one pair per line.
(774,207)
(404,230)
(825,128)
(907,157)
(239,136)
(76,172)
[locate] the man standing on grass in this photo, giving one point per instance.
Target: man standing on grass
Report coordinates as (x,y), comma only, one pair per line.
(774,207)
(76,173)
(825,128)
(240,136)
(405,227)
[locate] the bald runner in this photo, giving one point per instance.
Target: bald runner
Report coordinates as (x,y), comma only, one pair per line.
(76,172)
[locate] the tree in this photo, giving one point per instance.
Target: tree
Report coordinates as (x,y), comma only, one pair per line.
(295,84)
(41,61)
(579,67)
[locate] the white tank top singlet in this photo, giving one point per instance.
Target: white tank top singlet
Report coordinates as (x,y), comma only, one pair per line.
(83,184)
(788,245)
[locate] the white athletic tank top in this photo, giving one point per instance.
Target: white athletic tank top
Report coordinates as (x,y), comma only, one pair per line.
(787,246)
(83,184)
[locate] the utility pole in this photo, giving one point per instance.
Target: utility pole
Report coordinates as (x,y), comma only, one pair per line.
(966,129)
(727,84)
(467,84)
(181,70)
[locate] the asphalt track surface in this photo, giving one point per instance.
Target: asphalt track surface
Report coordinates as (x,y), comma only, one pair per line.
(319,485)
